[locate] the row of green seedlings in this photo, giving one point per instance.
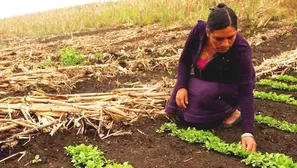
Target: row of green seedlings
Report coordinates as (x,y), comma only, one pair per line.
(274,123)
(267,120)
(279,84)
(285,78)
(212,142)
(283,98)
(91,157)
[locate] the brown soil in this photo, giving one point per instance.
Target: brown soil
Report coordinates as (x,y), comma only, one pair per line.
(141,150)
(145,148)
(275,46)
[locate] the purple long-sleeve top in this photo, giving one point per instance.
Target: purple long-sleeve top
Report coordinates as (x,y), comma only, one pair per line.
(233,67)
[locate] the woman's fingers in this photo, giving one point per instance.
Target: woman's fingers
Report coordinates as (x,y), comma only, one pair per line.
(249,143)
(250,147)
(182,98)
(186,99)
(180,102)
(183,105)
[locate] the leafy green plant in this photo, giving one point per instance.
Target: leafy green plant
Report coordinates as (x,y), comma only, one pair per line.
(36,159)
(276,85)
(99,55)
(212,142)
(285,78)
(271,122)
(47,63)
(91,157)
(69,57)
(282,98)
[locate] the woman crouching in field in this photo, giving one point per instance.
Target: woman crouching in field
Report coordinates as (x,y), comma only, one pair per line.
(216,77)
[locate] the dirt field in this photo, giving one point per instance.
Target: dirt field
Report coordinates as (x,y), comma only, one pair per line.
(144,148)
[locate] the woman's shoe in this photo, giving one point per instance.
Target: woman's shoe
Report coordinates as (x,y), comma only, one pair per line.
(237,115)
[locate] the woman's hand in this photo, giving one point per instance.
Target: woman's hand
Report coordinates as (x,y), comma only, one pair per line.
(249,143)
(181,98)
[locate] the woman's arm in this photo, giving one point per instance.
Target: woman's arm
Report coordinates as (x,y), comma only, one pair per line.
(185,61)
(245,75)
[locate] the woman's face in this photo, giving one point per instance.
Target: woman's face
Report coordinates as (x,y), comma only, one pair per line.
(221,40)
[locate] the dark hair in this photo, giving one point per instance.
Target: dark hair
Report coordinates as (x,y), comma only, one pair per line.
(221,16)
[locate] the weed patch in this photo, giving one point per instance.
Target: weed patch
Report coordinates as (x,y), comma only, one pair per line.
(70,57)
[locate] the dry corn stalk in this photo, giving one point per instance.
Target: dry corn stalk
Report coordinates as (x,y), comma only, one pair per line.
(49,112)
(284,61)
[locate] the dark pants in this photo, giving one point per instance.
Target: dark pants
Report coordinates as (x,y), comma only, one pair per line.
(209,102)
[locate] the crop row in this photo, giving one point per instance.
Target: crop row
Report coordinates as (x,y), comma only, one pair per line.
(279,83)
(285,78)
(282,98)
(91,157)
(271,122)
(212,142)
(276,84)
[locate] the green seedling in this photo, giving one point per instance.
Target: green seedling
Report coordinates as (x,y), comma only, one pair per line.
(70,57)
(91,157)
(99,56)
(36,159)
(47,63)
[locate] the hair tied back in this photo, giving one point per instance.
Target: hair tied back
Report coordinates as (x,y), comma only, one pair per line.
(213,8)
(220,5)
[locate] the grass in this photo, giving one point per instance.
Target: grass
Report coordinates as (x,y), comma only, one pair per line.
(140,12)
